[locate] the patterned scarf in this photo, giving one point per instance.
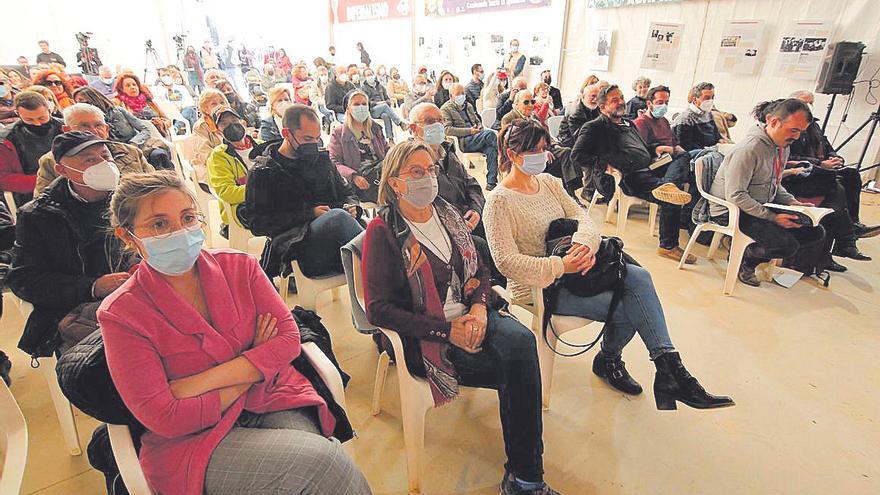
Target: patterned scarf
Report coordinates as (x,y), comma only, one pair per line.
(439,370)
(135,104)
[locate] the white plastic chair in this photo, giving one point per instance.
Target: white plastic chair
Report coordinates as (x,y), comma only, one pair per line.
(14,430)
(624,203)
(126,455)
(205,200)
(553,123)
(488,116)
(739,240)
(63,409)
(561,325)
(10,203)
(241,238)
(467,158)
(310,288)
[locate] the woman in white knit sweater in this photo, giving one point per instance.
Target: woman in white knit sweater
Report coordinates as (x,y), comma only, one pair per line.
(517,217)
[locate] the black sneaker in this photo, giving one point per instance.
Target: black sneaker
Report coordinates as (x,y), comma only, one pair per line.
(863,231)
(489,187)
(509,486)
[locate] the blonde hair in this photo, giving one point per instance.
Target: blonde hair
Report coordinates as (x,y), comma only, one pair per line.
(134,188)
(275,94)
(591,79)
(540,86)
(394,161)
(349,120)
(207,96)
(46,92)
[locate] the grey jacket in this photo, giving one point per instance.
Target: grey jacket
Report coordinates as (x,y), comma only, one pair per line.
(747,177)
(454,119)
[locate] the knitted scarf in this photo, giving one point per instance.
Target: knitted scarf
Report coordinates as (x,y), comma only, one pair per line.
(135,104)
(439,370)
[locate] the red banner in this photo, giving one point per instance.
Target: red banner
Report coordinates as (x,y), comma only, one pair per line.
(371,10)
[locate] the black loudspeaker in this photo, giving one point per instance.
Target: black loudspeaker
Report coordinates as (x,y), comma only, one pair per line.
(840,67)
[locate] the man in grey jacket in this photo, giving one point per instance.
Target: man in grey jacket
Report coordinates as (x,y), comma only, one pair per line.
(750,176)
(462,121)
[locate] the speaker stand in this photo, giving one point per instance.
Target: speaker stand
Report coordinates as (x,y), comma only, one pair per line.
(872,119)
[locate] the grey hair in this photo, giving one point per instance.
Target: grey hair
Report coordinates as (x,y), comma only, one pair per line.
(697,90)
(640,81)
(801,92)
(520,80)
(78,108)
(415,115)
(134,188)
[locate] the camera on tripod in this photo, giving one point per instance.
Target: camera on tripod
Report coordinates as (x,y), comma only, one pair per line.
(149,44)
(179,39)
(83,38)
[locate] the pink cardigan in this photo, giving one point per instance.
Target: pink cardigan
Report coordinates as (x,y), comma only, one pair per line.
(152,336)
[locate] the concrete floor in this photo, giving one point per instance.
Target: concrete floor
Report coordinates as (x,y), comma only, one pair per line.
(801,364)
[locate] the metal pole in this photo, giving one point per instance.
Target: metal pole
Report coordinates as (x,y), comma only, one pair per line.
(828,112)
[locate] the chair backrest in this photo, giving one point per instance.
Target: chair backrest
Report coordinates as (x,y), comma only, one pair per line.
(14,429)
(488,116)
(553,123)
(699,166)
(351,264)
(10,204)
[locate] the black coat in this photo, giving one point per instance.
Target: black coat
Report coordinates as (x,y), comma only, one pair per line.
(30,147)
(598,142)
(57,259)
(457,186)
(335,96)
(375,94)
(556,96)
(572,123)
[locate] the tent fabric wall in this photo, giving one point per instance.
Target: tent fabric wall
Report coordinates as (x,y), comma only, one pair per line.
(853,20)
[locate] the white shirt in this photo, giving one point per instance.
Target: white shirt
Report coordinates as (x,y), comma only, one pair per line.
(433,236)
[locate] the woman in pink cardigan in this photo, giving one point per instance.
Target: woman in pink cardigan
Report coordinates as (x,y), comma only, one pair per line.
(200,346)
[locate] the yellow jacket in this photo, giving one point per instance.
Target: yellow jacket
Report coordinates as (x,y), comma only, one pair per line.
(227,176)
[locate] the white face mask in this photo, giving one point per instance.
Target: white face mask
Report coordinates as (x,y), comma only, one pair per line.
(447,85)
(707,105)
(103,176)
(107,80)
(434,133)
(167,80)
(459,100)
(323,79)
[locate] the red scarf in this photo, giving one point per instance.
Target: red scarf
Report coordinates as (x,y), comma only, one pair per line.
(135,104)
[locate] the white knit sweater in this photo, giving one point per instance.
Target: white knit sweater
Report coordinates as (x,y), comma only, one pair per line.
(516,225)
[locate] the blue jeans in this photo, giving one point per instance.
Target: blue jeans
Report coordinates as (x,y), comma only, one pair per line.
(191,114)
(318,252)
(639,311)
(386,113)
(508,363)
(326,112)
(485,142)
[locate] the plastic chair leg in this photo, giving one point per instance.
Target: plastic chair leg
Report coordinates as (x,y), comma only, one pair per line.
(653,211)
(62,406)
(379,383)
(713,246)
(593,201)
(546,360)
(614,201)
(737,249)
(284,287)
(622,213)
(413,410)
(690,244)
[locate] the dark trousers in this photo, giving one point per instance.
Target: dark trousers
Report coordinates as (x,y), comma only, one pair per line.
(838,225)
(160,159)
(318,252)
(773,241)
(508,363)
(641,183)
(851,181)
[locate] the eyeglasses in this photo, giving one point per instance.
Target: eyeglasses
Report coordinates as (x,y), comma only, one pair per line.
(54,83)
(161,228)
(420,173)
(528,102)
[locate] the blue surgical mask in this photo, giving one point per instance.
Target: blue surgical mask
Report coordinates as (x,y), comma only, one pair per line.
(434,133)
(360,113)
(175,254)
(459,100)
(659,111)
(4,91)
(534,164)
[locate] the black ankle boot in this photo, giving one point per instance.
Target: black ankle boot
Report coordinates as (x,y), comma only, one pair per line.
(613,370)
(673,383)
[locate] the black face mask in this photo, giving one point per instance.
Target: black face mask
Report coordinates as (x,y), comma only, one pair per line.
(308,150)
(230,97)
(547,79)
(39,130)
(234,132)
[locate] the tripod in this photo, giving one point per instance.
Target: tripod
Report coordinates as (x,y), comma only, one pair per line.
(873,120)
(150,55)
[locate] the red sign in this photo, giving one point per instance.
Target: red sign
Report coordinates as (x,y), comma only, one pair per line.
(371,10)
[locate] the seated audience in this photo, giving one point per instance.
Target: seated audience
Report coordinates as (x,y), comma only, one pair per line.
(695,128)
(7,92)
(543,103)
(174,93)
(505,100)
(637,104)
(126,128)
(248,111)
(441,303)
(47,93)
(279,99)
(206,136)
(336,91)
(84,117)
(750,176)
(317,92)
(224,408)
(475,85)
(653,126)
(380,104)
(105,81)
(518,215)
(229,164)
(24,142)
(496,84)
(397,87)
(814,147)
(422,92)
(58,83)
(523,108)
(555,94)
(65,254)
(18,80)
(297,198)
(301,83)
(444,83)
(269,79)
(382,75)
(357,143)
(213,77)
(461,121)
(137,99)
(579,112)
(611,140)
(455,184)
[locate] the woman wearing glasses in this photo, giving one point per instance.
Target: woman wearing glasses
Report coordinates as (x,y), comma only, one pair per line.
(251,423)
(425,279)
(58,85)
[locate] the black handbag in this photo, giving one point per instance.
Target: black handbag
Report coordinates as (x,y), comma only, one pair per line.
(372,172)
(607,274)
